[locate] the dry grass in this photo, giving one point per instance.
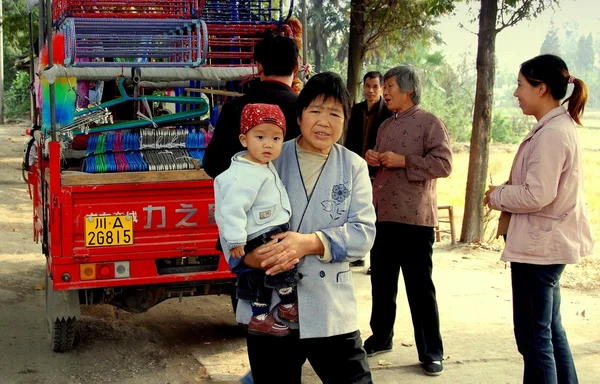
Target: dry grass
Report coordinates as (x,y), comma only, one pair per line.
(452,191)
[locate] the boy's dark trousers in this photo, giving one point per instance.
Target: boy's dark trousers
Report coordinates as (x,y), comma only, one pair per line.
(253,285)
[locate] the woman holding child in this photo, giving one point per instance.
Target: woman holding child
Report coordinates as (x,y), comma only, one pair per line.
(332,224)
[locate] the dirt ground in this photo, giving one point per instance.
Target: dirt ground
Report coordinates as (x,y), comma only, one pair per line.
(197,340)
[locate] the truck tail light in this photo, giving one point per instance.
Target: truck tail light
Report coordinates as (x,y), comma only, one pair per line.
(121,269)
(87,272)
(105,271)
(100,271)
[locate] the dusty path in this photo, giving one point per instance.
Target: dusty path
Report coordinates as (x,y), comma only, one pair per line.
(197,340)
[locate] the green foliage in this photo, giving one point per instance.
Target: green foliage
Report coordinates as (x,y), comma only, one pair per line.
(16,35)
(585,58)
(510,12)
(401,23)
(455,111)
(579,51)
(509,129)
(327,31)
(551,42)
(16,99)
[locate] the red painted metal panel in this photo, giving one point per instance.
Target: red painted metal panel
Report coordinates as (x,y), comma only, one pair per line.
(171,220)
(169,216)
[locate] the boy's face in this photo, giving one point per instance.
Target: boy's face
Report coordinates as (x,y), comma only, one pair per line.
(321,125)
(263,142)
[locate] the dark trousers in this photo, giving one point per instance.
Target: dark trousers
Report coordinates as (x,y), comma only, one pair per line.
(410,248)
(539,333)
(255,286)
(336,359)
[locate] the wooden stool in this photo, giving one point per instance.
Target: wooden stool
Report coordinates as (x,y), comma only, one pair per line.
(448,219)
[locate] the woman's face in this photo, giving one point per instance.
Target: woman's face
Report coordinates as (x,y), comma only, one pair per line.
(321,125)
(528,95)
(395,99)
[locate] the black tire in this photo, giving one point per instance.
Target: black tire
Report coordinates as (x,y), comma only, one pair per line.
(62,334)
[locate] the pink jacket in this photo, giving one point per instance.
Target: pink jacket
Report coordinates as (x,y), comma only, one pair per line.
(550,222)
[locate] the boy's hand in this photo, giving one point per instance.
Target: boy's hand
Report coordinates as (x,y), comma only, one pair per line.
(237,252)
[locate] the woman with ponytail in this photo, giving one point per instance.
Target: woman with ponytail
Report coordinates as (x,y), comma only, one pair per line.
(544,216)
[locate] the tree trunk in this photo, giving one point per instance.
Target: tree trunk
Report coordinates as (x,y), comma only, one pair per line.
(472,227)
(316,53)
(356,46)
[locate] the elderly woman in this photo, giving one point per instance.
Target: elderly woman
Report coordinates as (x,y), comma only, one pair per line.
(412,150)
(332,224)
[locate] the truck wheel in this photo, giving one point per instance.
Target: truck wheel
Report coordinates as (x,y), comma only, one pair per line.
(62,334)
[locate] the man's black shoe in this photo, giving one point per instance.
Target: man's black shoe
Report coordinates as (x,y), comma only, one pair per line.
(369,271)
(375,350)
(357,263)
(434,368)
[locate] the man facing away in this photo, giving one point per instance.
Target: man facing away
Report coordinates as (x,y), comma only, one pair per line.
(276,57)
(365,119)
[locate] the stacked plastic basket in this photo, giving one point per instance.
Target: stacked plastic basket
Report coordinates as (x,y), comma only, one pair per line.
(148,33)
(234,27)
(175,33)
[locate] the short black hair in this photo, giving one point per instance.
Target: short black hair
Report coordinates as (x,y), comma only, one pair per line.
(373,75)
(277,54)
(326,85)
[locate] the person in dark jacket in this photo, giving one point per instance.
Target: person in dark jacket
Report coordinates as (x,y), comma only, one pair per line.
(277,58)
(365,119)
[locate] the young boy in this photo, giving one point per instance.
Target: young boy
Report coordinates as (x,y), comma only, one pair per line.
(251,206)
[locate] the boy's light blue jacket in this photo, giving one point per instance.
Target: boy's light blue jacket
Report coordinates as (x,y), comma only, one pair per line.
(250,199)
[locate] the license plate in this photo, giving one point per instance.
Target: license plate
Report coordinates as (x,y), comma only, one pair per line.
(108,231)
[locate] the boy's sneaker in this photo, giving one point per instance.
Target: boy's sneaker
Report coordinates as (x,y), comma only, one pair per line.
(434,368)
(267,325)
(288,312)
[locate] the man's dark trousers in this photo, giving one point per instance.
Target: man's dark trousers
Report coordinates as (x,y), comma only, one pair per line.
(410,248)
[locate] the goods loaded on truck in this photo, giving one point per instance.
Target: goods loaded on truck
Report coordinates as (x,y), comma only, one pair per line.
(126,96)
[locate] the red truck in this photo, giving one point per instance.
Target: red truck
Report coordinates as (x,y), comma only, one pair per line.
(127,239)
(132,239)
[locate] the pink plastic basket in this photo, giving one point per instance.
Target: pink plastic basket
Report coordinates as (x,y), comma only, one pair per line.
(154,9)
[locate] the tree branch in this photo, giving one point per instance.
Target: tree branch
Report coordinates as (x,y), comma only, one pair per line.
(462,26)
(519,14)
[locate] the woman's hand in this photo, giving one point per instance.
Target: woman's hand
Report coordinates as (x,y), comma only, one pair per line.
(392,160)
(278,253)
(291,247)
(487,197)
(372,158)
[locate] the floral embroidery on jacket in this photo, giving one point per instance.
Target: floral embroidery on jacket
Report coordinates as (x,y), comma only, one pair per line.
(335,206)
